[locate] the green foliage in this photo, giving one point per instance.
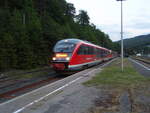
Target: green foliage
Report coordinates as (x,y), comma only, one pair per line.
(137,41)
(8,57)
(52,31)
(4,20)
(22,46)
(83,18)
(113,76)
(138,44)
(30,28)
(70,11)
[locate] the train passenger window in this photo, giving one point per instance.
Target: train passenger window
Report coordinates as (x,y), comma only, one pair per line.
(99,53)
(90,50)
(94,50)
(80,50)
(83,50)
(106,53)
(86,50)
(103,53)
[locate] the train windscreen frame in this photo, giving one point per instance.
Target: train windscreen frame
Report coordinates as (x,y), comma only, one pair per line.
(66,47)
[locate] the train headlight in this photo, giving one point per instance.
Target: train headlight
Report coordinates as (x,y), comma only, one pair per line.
(53,58)
(67,58)
(61,55)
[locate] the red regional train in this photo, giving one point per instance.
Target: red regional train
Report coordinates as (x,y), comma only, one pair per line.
(75,54)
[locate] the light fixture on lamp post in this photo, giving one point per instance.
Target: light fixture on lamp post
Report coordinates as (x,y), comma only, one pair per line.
(121,34)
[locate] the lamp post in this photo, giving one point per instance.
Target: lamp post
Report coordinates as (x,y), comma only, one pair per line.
(121,34)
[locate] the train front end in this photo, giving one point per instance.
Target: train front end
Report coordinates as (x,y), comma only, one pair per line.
(62,54)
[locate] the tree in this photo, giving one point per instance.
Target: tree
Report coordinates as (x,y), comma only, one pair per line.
(29,30)
(8,58)
(23,49)
(70,11)
(83,18)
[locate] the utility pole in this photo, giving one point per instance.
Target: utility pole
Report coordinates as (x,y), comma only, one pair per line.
(122,66)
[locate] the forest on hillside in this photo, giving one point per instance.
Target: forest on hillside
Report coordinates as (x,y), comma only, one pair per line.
(30,28)
(137,44)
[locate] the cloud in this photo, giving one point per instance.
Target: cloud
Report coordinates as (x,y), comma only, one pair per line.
(135,32)
(139,24)
(137,28)
(105,14)
(129,31)
(112,30)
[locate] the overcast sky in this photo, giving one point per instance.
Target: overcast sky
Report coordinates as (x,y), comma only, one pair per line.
(105,14)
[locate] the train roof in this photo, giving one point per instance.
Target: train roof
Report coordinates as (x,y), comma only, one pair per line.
(71,40)
(75,41)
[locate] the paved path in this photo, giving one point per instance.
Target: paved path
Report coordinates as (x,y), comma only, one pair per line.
(63,96)
(142,69)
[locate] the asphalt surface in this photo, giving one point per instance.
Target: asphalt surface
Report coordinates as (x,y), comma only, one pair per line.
(140,67)
(17,87)
(68,95)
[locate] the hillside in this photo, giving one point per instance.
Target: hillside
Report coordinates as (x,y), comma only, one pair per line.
(142,40)
(138,44)
(30,28)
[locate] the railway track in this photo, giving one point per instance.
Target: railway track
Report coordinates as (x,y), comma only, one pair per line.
(7,80)
(11,87)
(145,60)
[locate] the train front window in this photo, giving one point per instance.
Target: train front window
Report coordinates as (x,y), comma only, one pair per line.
(64,47)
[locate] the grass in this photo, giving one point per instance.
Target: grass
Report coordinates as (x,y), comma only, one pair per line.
(27,74)
(113,76)
(34,74)
(112,81)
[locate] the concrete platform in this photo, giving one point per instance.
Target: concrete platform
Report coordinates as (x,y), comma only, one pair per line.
(58,97)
